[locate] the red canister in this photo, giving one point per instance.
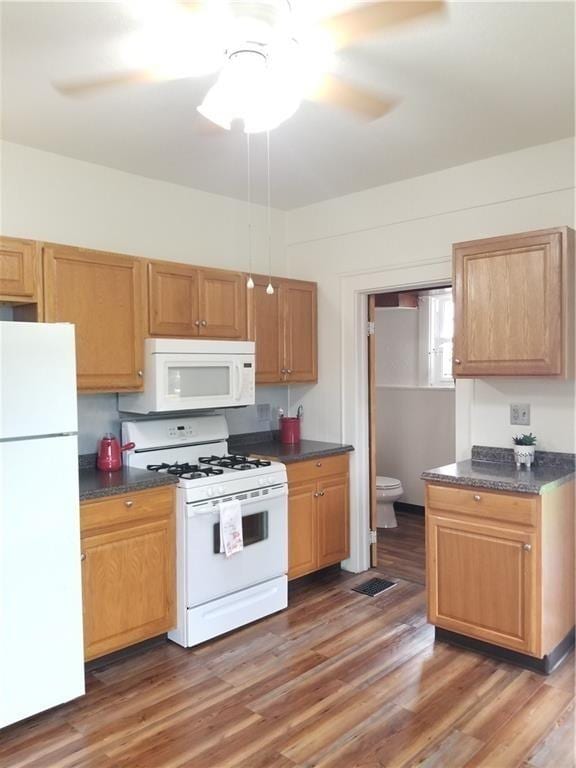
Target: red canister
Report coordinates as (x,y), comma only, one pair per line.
(289,430)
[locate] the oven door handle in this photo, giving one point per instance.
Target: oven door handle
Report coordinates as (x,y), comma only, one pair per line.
(196,509)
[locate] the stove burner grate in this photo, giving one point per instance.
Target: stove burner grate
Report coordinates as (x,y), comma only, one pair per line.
(186,470)
(234,461)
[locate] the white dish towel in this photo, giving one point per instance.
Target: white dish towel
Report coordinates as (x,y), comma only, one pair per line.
(231,527)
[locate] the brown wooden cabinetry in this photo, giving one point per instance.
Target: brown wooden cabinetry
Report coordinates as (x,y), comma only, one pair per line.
(128,569)
(21,277)
(187,301)
(514,305)
(284,327)
(103,295)
(500,566)
(318,514)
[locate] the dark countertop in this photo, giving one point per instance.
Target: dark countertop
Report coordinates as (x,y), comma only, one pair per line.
(95,484)
(287,454)
(548,473)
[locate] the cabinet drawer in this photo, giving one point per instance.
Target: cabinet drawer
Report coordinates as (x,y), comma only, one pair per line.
(125,509)
(512,508)
(315,469)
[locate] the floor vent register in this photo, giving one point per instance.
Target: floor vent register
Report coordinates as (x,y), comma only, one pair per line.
(373,587)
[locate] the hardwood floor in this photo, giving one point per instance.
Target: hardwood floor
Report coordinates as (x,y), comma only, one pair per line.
(337,680)
(402,550)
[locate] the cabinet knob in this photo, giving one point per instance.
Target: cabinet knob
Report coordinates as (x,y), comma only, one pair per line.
(477,497)
(321,493)
(318,463)
(283,370)
(203,323)
(457,361)
(316,494)
(289,370)
(129,503)
(83,556)
(197,323)
(527,547)
(140,373)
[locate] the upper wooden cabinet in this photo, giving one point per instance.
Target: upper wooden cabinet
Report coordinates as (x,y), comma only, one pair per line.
(185,301)
(20,271)
(284,327)
(513,305)
(103,295)
(300,334)
(266,329)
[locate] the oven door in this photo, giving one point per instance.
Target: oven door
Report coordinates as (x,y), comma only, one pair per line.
(209,573)
(193,382)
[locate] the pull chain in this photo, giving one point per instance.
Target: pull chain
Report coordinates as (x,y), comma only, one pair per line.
(250,281)
(269,287)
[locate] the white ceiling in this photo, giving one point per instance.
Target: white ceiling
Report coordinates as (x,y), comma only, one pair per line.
(487,78)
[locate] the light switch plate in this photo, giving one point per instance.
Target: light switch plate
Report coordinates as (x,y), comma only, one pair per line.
(520,413)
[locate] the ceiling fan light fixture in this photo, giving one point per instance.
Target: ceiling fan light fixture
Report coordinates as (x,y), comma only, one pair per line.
(248,89)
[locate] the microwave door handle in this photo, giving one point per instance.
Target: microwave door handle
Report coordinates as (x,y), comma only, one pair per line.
(237,380)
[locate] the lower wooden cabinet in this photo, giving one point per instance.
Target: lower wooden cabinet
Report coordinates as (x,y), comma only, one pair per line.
(500,566)
(318,514)
(128,569)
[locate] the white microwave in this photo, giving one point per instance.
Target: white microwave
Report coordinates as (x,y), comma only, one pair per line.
(194,374)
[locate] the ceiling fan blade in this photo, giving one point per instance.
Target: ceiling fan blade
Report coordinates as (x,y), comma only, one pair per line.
(337,92)
(371,18)
(90,85)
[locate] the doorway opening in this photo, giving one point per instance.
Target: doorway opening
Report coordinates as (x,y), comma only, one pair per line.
(412,418)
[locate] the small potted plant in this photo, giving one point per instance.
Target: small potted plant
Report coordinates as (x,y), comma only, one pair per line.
(524,447)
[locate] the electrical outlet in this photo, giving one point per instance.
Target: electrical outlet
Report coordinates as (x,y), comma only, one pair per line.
(520,413)
(263,412)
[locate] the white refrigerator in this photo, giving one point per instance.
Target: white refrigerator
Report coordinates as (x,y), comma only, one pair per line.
(41,644)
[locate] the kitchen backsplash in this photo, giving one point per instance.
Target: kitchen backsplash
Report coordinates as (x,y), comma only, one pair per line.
(98,414)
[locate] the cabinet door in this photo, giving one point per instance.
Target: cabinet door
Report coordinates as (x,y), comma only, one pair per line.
(302,550)
(509,305)
(333,521)
(18,269)
(481,581)
(222,304)
(102,294)
(265,324)
(128,584)
(173,300)
(300,333)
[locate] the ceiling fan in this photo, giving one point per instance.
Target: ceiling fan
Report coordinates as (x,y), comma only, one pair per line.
(268,56)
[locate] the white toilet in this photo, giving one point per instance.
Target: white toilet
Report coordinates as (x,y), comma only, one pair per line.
(388,490)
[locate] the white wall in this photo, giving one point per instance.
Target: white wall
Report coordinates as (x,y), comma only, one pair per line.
(414,423)
(415,431)
(49,197)
(401,234)
(44,196)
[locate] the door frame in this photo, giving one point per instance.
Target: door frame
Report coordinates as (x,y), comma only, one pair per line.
(354,291)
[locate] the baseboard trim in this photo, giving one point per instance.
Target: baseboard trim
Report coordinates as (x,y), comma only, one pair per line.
(124,653)
(413,509)
(546,665)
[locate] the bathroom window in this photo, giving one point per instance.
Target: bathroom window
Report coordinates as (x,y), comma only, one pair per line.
(440,335)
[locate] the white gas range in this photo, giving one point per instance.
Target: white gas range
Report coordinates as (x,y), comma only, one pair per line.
(215,593)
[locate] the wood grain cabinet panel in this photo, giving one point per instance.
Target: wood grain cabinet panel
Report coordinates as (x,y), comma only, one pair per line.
(513,314)
(481,581)
(102,294)
(302,533)
(128,570)
(19,270)
(266,329)
(284,327)
(333,526)
(300,336)
(318,516)
(173,300)
(501,569)
(222,301)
